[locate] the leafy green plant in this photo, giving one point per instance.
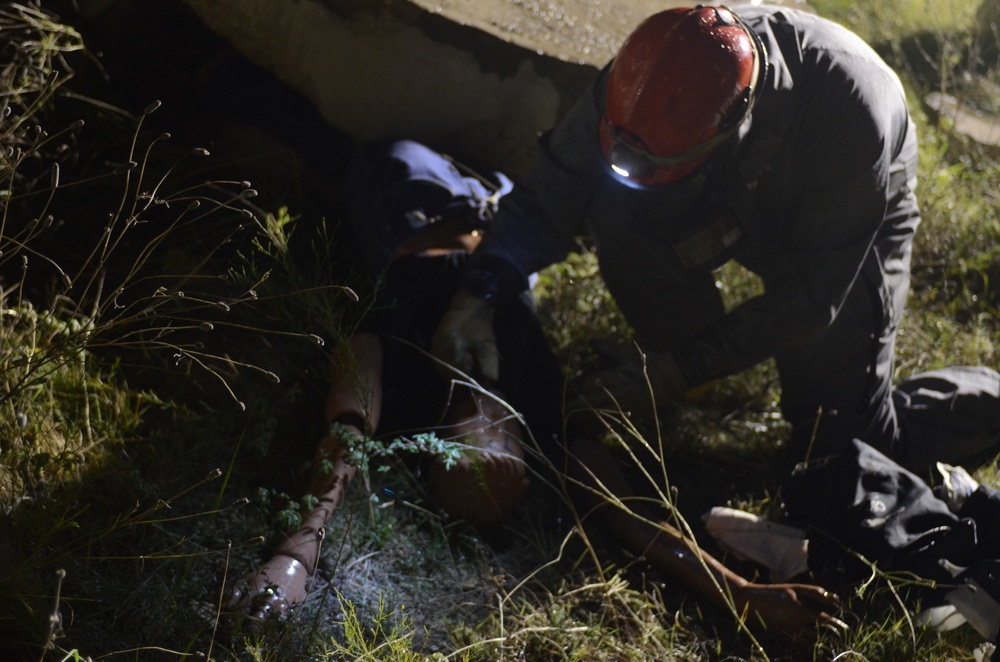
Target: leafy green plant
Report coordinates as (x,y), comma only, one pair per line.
(361,450)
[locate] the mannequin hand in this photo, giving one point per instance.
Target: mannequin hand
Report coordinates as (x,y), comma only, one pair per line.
(465,337)
(272,590)
(793,611)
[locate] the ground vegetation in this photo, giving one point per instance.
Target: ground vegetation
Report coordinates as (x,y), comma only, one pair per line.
(172,283)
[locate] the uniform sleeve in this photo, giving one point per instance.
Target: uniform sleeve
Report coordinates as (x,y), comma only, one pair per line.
(843,155)
(538,222)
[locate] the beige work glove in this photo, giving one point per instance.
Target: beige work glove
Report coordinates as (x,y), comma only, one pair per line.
(626,385)
(465,338)
(782,549)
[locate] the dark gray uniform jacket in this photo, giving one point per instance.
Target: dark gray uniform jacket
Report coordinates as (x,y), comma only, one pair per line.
(820,184)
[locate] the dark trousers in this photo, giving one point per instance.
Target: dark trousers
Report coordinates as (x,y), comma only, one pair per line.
(414,296)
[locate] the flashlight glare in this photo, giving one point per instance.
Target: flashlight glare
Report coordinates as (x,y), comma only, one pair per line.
(620,170)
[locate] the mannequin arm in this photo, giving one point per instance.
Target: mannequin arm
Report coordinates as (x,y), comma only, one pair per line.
(791,610)
(354,401)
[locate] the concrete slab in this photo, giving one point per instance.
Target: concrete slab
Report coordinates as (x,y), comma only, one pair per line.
(380,68)
(584,31)
(479,79)
(982,127)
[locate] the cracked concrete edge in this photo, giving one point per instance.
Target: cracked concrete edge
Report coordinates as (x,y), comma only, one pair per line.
(390,68)
(479,79)
(981,127)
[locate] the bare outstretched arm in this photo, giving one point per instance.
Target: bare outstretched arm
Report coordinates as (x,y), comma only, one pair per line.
(355,402)
(790,610)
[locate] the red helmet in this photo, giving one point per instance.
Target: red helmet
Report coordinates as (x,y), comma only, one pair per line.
(681,84)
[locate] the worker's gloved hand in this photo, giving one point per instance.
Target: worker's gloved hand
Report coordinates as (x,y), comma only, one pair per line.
(465,337)
(636,383)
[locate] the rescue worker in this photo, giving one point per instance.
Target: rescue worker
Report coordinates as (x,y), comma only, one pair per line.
(773,137)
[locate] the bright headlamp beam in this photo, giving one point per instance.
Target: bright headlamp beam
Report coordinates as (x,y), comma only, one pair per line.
(620,170)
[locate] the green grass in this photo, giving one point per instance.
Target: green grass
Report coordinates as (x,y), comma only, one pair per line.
(898,17)
(158,419)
